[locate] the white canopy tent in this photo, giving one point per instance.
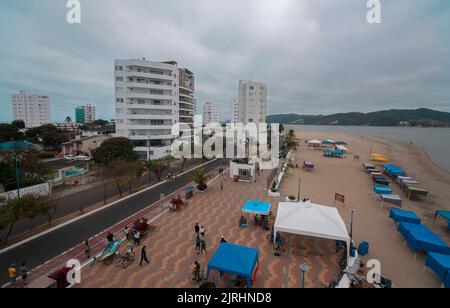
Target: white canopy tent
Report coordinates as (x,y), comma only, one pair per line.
(315,142)
(309,219)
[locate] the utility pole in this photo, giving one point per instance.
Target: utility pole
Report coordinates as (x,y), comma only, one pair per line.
(149,160)
(299,189)
(16,163)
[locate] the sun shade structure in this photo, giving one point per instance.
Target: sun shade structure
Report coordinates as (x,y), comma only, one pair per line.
(342,148)
(378,158)
(257,207)
(382,190)
(11,145)
(391,199)
(420,238)
(443,214)
(235,260)
(315,142)
(309,219)
(440,264)
(328,141)
(394,170)
(404,216)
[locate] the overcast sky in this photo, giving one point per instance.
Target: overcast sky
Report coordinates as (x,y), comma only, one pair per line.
(316,56)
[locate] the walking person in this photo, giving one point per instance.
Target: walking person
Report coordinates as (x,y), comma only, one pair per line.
(87,249)
(197,229)
(198,243)
(126,232)
(223,240)
(203,246)
(12,274)
(110,238)
(137,238)
(144,256)
(202,231)
(24,273)
(196,272)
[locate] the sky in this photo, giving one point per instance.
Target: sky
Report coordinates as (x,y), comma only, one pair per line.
(316,56)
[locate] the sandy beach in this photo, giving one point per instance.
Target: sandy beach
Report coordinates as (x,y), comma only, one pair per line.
(345,176)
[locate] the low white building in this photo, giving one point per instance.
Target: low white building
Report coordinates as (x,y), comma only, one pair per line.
(244,170)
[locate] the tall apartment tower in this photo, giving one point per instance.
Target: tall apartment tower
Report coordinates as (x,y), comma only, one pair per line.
(252,103)
(211,113)
(85,114)
(33,109)
(150,97)
(235,118)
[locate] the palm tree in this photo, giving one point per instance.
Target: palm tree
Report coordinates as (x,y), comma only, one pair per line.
(201,179)
(290,140)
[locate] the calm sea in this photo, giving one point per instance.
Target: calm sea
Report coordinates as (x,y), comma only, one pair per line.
(434,141)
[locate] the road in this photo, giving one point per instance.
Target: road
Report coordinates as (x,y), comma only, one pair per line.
(48,246)
(72,203)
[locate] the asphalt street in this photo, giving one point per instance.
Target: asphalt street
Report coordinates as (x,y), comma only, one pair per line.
(50,245)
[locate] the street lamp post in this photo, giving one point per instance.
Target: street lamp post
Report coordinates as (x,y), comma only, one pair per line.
(299,189)
(303,269)
(352,210)
(149,160)
(16,164)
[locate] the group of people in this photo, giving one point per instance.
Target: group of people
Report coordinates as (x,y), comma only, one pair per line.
(132,235)
(200,240)
(13,273)
(135,236)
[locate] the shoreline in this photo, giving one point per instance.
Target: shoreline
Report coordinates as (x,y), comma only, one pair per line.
(402,140)
(372,223)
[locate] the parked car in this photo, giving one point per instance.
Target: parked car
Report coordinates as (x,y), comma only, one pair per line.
(83,158)
(68,157)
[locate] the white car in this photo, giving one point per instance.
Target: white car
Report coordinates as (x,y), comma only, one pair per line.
(68,157)
(82,158)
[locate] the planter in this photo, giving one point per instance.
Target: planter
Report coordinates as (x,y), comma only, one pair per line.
(274,194)
(290,200)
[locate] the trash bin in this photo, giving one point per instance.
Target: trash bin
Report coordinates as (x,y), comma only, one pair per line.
(363,249)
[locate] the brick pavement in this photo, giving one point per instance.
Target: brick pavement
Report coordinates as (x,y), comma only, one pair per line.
(171,247)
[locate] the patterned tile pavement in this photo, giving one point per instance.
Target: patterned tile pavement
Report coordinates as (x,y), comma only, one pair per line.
(171,246)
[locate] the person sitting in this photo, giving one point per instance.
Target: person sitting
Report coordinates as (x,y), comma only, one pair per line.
(257,220)
(243,222)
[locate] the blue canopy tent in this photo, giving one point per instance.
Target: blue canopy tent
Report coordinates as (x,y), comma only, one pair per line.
(257,207)
(443,214)
(447,280)
(420,238)
(382,190)
(236,260)
(440,264)
(394,170)
(404,216)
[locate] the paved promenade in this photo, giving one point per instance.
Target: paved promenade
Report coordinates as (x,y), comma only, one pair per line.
(171,247)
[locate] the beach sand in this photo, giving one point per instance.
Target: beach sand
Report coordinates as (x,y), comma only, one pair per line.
(371,224)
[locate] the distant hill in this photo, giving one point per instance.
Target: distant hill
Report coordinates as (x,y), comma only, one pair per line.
(395,117)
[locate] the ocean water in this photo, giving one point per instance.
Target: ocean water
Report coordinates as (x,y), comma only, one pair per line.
(434,141)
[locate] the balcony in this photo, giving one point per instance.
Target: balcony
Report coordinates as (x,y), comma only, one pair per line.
(149,117)
(132,94)
(144,85)
(162,77)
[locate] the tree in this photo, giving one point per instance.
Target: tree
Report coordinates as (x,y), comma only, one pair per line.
(291,140)
(100,122)
(159,166)
(19,124)
(46,206)
(10,132)
(49,135)
(132,172)
(68,120)
(115,149)
(14,210)
(201,179)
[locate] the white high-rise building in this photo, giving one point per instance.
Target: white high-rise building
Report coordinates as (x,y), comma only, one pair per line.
(33,109)
(151,97)
(252,103)
(211,113)
(235,111)
(89,113)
